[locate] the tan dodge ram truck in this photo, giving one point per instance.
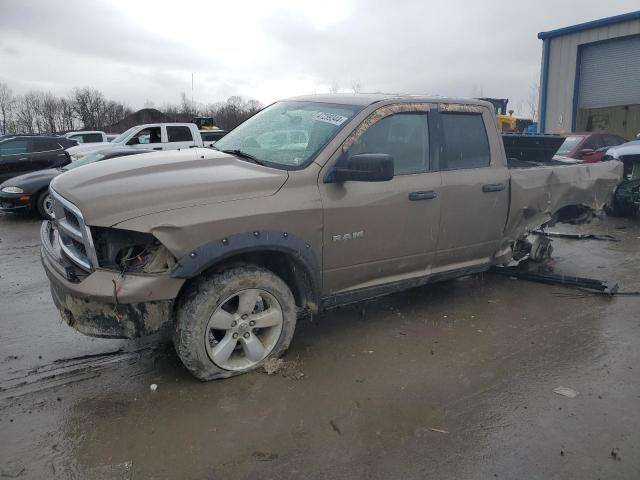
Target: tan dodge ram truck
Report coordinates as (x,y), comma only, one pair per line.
(313,202)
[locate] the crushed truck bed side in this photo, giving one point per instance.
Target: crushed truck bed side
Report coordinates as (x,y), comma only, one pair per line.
(538,193)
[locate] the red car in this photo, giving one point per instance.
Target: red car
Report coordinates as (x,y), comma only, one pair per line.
(588,146)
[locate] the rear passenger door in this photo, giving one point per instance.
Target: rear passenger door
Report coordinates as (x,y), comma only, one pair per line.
(178,136)
(475,191)
(47,153)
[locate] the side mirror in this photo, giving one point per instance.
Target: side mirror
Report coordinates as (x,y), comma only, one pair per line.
(585,152)
(364,167)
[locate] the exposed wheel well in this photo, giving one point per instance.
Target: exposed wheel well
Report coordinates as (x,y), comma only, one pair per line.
(291,270)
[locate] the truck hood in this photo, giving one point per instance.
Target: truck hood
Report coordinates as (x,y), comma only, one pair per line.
(127,187)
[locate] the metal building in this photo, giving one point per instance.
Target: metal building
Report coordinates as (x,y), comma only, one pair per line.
(590,77)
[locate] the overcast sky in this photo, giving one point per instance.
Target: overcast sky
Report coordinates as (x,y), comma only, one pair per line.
(145,50)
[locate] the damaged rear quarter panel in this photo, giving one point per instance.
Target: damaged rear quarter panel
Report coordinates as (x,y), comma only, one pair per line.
(538,193)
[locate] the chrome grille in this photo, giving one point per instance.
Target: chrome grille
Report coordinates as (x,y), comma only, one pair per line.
(71,218)
(75,237)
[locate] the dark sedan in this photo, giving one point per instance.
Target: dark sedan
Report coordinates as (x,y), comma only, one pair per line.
(30,192)
(21,154)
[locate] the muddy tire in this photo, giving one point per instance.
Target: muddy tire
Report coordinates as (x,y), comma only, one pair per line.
(44,205)
(231,322)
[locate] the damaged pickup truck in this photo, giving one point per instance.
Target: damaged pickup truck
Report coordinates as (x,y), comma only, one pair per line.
(314,202)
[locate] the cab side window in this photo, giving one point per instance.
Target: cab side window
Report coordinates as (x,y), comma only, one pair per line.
(594,142)
(404,136)
(14,147)
(44,145)
(613,140)
(464,142)
(91,138)
(179,134)
(146,136)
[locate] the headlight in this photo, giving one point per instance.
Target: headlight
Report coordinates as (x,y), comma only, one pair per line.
(12,190)
(77,156)
(128,251)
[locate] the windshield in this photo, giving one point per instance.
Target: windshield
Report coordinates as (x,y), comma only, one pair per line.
(570,143)
(122,137)
(90,158)
(288,134)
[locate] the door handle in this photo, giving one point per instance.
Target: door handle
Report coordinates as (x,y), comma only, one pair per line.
(23,159)
(493,187)
(415,196)
(157,148)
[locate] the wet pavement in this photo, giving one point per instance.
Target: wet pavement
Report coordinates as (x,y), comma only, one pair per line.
(453,380)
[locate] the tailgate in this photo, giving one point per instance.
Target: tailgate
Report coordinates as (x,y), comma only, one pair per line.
(539,192)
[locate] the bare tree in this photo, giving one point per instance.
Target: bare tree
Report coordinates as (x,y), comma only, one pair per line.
(230,114)
(27,113)
(49,110)
(66,119)
(89,105)
(186,105)
(87,108)
(334,87)
(114,112)
(7,101)
(356,86)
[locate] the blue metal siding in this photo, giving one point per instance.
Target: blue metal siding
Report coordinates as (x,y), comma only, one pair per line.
(546,43)
(560,69)
(589,25)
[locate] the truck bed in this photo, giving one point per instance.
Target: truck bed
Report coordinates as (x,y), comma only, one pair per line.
(539,192)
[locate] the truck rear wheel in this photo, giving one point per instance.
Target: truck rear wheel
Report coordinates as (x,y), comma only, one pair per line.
(231,322)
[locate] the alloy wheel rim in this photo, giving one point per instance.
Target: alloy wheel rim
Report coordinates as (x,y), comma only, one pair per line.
(244,329)
(48,205)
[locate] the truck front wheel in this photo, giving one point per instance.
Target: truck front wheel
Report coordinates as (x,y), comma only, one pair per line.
(231,322)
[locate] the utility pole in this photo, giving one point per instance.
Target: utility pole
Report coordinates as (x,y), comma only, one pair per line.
(192,104)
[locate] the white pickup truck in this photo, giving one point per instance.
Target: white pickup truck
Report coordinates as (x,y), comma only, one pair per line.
(155,136)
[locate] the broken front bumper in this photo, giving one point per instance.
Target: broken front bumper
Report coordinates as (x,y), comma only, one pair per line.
(105,303)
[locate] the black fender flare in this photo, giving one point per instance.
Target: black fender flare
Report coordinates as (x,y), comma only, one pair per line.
(216,251)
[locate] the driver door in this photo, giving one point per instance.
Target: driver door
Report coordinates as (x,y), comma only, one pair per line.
(147,138)
(378,233)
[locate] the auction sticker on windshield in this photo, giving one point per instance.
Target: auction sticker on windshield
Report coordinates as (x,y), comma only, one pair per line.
(332,118)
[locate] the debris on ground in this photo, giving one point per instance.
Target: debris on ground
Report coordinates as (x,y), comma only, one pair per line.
(615,454)
(153,387)
(577,236)
(12,472)
(264,456)
(285,369)
(566,392)
(335,427)
(557,279)
(437,430)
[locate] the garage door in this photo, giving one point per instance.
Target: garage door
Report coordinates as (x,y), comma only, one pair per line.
(610,73)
